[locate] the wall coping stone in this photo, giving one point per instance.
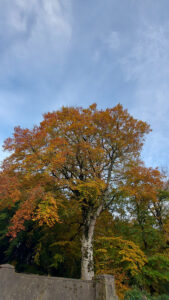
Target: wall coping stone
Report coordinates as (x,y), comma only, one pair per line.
(7,266)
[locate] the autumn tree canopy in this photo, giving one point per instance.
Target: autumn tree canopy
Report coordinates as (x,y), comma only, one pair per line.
(75,161)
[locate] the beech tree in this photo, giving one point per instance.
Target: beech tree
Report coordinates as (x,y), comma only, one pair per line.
(73,161)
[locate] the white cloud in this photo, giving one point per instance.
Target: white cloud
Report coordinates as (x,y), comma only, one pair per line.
(20,14)
(147,67)
(96,56)
(109,44)
(148,58)
(113,40)
(33,35)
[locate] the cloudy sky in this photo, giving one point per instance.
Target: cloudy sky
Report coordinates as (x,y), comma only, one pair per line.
(69,52)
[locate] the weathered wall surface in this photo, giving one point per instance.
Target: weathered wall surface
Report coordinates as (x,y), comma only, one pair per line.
(19,286)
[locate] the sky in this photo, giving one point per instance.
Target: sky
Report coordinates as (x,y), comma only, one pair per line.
(58,53)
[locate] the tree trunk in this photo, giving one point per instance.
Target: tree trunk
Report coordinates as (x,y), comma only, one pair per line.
(87,264)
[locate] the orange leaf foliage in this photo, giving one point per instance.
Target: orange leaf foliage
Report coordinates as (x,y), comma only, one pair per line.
(74,154)
(143,183)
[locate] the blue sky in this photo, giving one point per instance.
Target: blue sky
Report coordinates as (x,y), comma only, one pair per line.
(69,52)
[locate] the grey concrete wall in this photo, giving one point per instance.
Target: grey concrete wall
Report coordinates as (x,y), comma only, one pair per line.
(105,288)
(19,286)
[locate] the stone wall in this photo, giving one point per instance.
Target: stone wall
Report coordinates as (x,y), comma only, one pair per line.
(19,286)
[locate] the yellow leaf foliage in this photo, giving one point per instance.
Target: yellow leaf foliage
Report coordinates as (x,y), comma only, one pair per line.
(118,257)
(47,211)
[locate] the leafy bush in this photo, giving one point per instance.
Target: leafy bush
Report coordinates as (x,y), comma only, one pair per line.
(136,294)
